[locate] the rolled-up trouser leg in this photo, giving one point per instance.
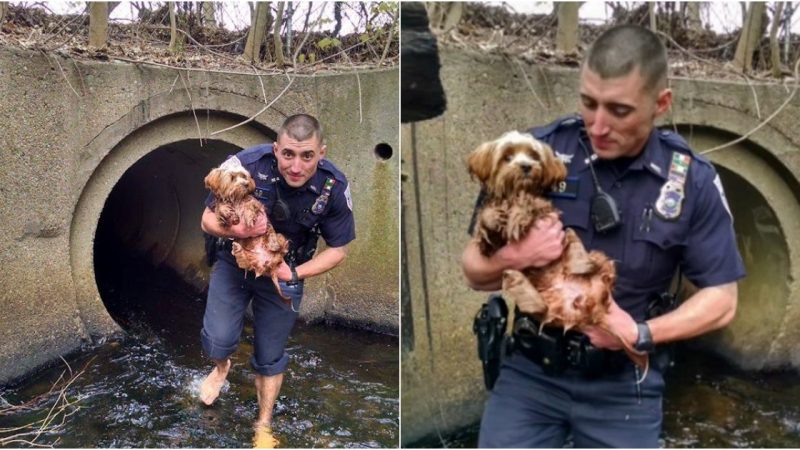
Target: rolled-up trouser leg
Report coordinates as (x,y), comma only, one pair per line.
(228,297)
(273,321)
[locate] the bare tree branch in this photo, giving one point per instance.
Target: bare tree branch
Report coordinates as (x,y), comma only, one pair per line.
(751,34)
(774,47)
(98,24)
(389,38)
(289,84)
(173,27)
(276,35)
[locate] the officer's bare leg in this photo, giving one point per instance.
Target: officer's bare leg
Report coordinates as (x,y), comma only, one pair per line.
(209,390)
(267,389)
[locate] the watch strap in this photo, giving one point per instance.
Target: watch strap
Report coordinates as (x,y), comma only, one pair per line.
(294,280)
(644,343)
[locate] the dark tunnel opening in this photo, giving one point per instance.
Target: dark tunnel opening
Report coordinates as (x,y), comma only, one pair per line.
(149,257)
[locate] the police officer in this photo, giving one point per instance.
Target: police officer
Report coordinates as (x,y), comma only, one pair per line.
(305,195)
(670,212)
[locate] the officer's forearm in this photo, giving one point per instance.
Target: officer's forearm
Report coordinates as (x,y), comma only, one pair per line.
(210,225)
(708,309)
(482,273)
(323,262)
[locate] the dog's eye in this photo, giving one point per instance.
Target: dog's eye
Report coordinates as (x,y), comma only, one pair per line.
(508,157)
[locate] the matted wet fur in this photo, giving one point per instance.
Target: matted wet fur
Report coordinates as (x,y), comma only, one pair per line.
(573,291)
(232,187)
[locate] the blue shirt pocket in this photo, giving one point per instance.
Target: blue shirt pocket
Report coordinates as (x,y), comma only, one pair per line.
(655,250)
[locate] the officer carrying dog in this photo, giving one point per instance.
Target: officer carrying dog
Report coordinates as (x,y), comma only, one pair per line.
(645,199)
(305,196)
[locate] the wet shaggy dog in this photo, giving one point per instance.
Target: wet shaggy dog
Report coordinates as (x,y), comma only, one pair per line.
(232,187)
(516,171)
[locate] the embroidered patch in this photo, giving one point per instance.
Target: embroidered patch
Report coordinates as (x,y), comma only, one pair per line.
(348,197)
(263,176)
(718,184)
(564,158)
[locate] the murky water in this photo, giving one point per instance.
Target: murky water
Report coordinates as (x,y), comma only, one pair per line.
(341,388)
(708,403)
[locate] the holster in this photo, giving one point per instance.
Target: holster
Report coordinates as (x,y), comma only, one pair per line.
(489,327)
(214,244)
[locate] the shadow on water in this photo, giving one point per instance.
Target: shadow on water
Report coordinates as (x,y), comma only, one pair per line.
(341,388)
(708,404)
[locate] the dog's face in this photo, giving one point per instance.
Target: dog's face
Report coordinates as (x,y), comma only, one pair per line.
(230,181)
(516,162)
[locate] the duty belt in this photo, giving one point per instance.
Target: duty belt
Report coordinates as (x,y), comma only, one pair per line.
(556,351)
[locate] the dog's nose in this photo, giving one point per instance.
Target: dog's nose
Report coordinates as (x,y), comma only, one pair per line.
(525,168)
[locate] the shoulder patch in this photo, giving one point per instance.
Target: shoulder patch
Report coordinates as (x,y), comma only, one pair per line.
(564,158)
(348,197)
(253,154)
(718,184)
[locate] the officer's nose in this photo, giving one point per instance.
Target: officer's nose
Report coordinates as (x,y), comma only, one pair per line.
(296,165)
(600,125)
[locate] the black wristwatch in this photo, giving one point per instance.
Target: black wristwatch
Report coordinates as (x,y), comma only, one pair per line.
(294,280)
(644,343)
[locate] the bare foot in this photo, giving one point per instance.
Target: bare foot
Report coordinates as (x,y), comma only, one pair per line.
(209,390)
(263,437)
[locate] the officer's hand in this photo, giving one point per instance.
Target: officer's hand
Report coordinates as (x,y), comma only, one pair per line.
(284,272)
(543,244)
(242,231)
(620,323)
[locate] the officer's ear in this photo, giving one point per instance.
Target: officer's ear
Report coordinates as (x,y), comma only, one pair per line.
(322,150)
(479,162)
(663,101)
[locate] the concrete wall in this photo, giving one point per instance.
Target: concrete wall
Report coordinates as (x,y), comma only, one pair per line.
(68,137)
(488,95)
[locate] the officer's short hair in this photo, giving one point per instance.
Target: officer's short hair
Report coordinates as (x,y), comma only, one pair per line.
(301,127)
(620,50)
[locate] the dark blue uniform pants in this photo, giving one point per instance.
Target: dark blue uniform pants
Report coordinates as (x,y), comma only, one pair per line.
(229,292)
(528,408)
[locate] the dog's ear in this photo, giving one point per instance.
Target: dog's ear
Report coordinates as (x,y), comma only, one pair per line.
(213,180)
(553,170)
(480,162)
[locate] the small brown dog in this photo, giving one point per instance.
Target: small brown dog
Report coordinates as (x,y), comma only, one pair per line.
(232,187)
(573,291)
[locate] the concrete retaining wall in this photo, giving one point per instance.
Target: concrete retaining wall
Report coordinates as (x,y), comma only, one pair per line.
(68,137)
(488,95)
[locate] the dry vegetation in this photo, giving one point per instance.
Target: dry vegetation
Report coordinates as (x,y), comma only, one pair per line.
(694,51)
(204,45)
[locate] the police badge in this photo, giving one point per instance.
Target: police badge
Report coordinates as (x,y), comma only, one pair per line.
(670,199)
(322,200)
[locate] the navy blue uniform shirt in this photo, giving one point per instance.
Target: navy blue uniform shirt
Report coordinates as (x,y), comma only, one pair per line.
(334,222)
(647,249)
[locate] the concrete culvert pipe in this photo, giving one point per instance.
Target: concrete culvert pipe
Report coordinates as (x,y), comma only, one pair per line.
(145,200)
(766,217)
(153,214)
